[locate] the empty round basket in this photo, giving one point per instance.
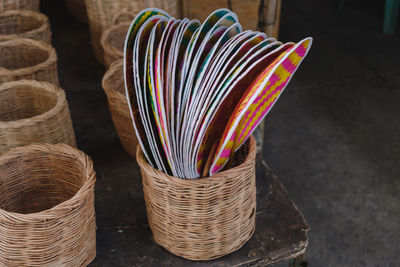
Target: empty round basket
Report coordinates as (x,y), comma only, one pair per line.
(113,85)
(47,213)
(23,58)
(19,4)
(112,41)
(25,23)
(33,112)
(77,8)
(102,14)
(205,218)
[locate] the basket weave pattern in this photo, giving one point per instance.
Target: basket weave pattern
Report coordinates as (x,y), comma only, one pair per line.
(113,85)
(47,213)
(103,13)
(19,4)
(33,112)
(206,218)
(25,23)
(112,42)
(23,58)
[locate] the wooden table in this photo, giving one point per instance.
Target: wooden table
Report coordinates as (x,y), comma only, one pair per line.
(124,238)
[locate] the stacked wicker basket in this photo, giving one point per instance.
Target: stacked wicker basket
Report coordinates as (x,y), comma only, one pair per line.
(47,213)
(112,43)
(102,14)
(113,85)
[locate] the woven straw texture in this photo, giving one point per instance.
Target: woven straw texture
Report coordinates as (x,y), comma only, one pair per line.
(19,4)
(112,42)
(47,215)
(33,112)
(23,58)
(25,23)
(77,8)
(113,85)
(206,218)
(102,14)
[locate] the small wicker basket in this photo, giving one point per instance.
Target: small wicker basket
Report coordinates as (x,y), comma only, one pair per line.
(19,5)
(23,58)
(33,112)
(25,23)
(47,215)
(102,14)
(77,8)
(112,42)
(205,218)
(113,85)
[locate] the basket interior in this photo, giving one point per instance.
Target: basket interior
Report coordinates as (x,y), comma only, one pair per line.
(25,101)
(15,57)
(117,37)
(116,80)
(38,181)
(239,157)
(18,24)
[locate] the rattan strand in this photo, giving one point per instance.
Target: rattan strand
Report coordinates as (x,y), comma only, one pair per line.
(206,218)
(33,112)
(25,23)
(102,14)
(113,85)
(47,215)
(19,5)
(24,58)
(112,42)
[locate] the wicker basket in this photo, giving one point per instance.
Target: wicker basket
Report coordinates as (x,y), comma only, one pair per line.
(206,218)
(113,85)
(25,23)
(47,215)
(19,4)
(33,112)
(102,15)
(77,8)
(23,58)
(112,42)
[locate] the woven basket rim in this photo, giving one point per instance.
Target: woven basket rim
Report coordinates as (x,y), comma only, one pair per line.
(42,18)
(52,56)
(112,69)
(88,182)
(47,86)
(104,40)
(200,181)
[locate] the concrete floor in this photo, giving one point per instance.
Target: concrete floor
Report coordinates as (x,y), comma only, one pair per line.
(332,139)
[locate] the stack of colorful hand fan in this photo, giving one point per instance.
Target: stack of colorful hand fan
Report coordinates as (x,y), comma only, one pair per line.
(196,91)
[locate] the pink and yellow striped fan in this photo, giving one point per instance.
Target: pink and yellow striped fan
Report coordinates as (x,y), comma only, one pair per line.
(258,101)
(223,116)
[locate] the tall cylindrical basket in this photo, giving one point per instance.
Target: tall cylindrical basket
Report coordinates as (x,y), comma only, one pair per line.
(205,218)
(33,112)
(19,5)
(112,42)
(23,58)
(25,23)
(102,14)
(47,215)
(113,85)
